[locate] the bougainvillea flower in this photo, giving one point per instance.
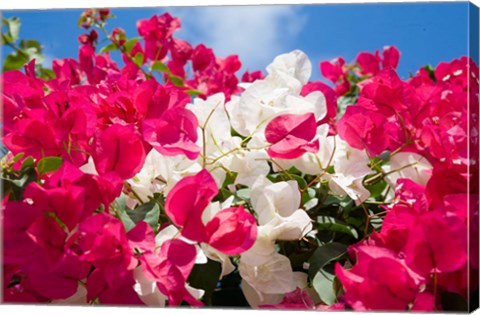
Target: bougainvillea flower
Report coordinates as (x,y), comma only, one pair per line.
(202,58)
(298,299)
(175,133)
(388,286)
(291,135)
(16,241)
(33,137)
(331,100)
(369,63)
(186,202)
(333,70)
(105,245)
(439,244)
(116,291)
(177,262)
(363,129)
(232,231)
(390,57)
(119,149)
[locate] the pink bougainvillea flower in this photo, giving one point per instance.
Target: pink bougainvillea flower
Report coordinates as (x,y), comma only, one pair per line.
(104,243)
(202,58)
(116,291)
(119,149)
(157,33)
(252,76)
(16,241)
(232,231)
(230,64)
(333,70)
(390,285)
(439,244)
(169,267)
(330,97)
(59,282)
(175,133)
(292,135)
(33,137)
(181,51)
(298,299)
(363,129)
(178,259)
(369,63)
(186,202)
(390,57)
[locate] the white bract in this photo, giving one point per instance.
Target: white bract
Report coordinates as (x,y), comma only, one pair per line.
(351,167)
(160,173)
(278,93)
(267,272)
(408,165)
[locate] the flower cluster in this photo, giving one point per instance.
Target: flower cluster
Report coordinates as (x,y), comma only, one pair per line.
(165,180)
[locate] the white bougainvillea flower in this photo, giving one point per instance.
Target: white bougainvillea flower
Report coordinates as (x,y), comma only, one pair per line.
(351,167)
(278,93)
(256,298)
(160,173)
(269,199)
(294,69)
(262,249)
(214,135)
(249,165)
(408,165)
(274,276)
(213,119)
(293,227)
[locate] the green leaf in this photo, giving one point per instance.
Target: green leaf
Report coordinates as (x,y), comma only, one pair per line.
(193,93)
(81,20)
(130,43)
(323,283)
(49,164)
(30,43)
(121,207)
(109,47)
(431,72)
(15,61)
(27,164)
(310,204)
(148,212)
(205,277)
(177,81)
(309,199)
(138,59)
(17,157)
(335,225)
(324,255)
(377,188)
(343,102)
(46,73)
(13,27)
(160,66)
(243,194)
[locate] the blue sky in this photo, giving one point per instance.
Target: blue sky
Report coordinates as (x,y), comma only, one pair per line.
(425,33)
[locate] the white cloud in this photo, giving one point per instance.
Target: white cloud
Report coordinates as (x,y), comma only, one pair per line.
(256,33)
